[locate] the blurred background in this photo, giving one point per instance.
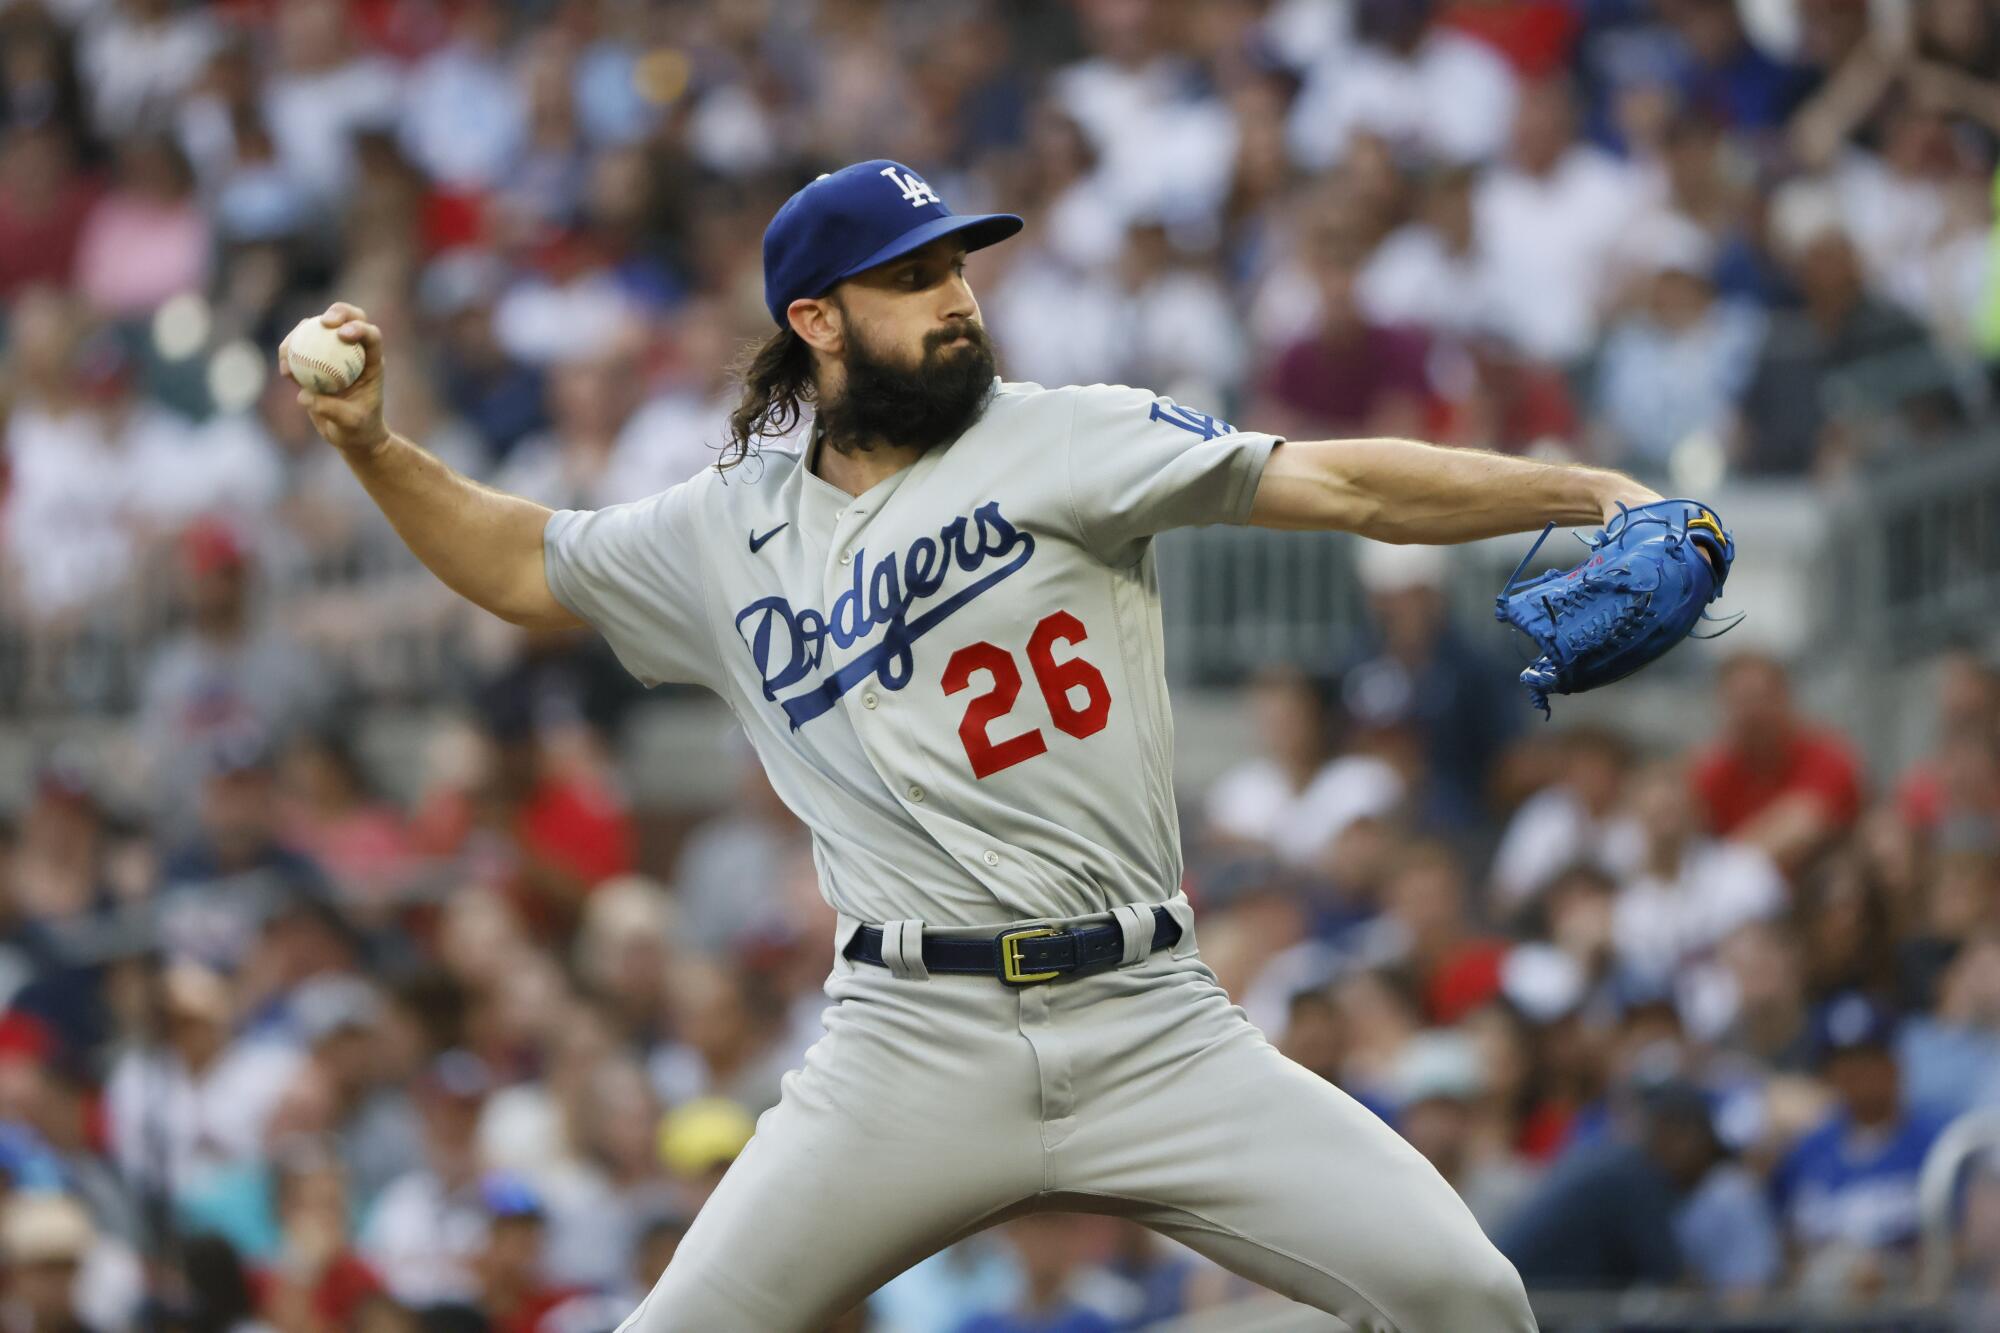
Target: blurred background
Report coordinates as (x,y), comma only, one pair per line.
(368,964)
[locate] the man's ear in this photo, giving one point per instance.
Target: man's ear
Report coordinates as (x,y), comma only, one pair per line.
(818,321)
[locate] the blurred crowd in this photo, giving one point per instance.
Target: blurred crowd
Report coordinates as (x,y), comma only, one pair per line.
(304,1044)
(1693,238)
(296,1041)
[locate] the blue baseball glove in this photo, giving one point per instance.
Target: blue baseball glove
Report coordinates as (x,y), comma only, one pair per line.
(1642,590)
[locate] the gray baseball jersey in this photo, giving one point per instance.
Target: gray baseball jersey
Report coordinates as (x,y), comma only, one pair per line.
(956,679)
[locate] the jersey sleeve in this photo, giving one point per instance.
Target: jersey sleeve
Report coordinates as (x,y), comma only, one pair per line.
(1140,464)
(633,572)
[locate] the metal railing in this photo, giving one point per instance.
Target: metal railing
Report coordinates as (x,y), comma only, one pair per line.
(1971,1137)
(1921,551)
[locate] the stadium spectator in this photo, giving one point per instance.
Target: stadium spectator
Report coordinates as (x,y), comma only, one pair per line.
(1603,1218)
(1672,371)
(512,1295)
(427,1229)
(1423,85)
(44,1239)
(1297,798)
(1839,328)
(315,1282)
(1349,376)
(1953,779)
(42,208)
(194,1101)
(727,880)
(229,673)
(1774,779)
(1950,1057)
(1061,1292)
(1576,819)
(1426,273)
(1654,1211)
(573,464)
(147,238)
(1425,928)
(1848,1189)
(1550,221)
(1429,699)
(1686,892)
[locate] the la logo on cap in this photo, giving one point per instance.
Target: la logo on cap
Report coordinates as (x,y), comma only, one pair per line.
(913,187)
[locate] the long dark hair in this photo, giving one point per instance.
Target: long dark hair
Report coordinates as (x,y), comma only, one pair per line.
(777,379)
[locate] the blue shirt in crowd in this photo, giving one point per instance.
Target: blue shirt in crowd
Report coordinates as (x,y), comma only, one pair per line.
(1842,1183)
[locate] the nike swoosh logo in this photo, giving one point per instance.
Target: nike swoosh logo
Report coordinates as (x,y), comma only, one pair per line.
(757,543)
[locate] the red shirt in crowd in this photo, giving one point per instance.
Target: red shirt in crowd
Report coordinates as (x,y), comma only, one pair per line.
(579,826)
(527,1316)
(1535,36)
(1463,980)
(39,236)
(1814,762)
(1346,384)
(343,1285)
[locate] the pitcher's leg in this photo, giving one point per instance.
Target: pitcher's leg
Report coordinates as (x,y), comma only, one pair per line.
(1215,1138)
(881,1151)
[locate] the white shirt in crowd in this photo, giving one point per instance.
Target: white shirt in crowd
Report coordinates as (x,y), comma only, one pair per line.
(1550,244)
(1255,802)
(314,114)
(1661,925)
(1162,152)
(1553,831)
(1414,279)
(1922,252)
(168,1126)
(1059,324)
(134,69)
(668,440)
(1452,99)
(422,1238)
(75,496)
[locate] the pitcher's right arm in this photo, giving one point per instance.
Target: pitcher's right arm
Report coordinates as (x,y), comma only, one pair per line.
(483,544)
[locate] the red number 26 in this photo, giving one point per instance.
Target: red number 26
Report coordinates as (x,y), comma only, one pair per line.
(1060,682)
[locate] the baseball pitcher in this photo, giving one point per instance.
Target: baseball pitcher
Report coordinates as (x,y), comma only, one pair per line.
(938,621)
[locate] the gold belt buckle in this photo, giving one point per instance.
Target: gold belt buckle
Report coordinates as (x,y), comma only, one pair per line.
(1010,956)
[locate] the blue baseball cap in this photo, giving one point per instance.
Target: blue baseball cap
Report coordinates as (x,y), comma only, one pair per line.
(855,218)
(1851,1022)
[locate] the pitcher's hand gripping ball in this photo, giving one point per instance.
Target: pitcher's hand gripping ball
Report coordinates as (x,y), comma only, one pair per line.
(320,359)
(1641,592)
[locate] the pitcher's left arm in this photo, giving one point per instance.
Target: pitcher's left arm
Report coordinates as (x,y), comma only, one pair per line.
(1407,492)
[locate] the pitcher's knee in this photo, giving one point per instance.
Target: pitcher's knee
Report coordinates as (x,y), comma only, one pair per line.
(1479,1291)
(1464,1289)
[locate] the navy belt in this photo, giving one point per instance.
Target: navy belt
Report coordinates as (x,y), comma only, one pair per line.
(1021,957)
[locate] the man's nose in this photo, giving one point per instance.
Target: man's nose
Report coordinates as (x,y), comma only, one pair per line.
(958,300)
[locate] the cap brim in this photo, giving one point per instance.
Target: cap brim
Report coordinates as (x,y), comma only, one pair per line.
(979,230)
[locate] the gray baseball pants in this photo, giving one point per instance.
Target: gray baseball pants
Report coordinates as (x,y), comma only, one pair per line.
(937,1106)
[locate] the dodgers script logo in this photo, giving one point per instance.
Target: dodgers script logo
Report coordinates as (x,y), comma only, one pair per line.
(788,644)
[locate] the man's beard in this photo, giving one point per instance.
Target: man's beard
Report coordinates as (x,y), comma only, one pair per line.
(922,407)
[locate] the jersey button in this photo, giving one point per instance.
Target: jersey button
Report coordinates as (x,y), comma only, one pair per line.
(916,794)
(992,858)
(869,700)
(847,557)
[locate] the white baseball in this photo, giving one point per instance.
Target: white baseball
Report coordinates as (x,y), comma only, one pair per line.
(320,360)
